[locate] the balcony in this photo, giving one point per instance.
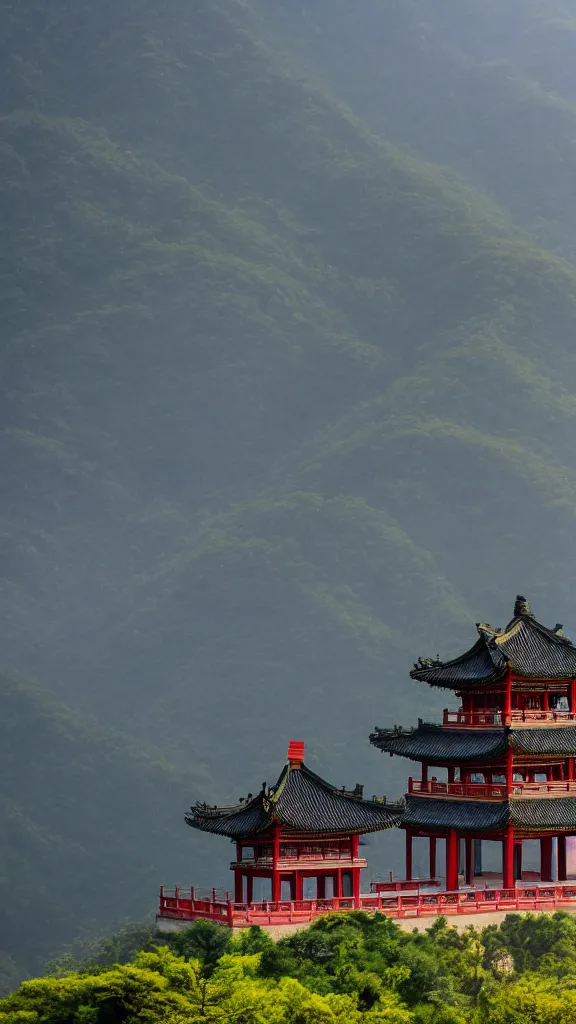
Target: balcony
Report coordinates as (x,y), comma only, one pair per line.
(304,861)
(473,719)
(490,719)
(543,717)
(184,905)
(489,791)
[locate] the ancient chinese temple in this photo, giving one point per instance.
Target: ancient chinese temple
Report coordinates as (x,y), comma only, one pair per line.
(498,769)
(298,839)
(296,851)
(506,754)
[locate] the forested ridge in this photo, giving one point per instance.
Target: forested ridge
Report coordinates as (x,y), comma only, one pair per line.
(88,822)
(351,968)
(289,389)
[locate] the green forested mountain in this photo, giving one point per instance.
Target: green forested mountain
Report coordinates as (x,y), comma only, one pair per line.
(488,89)
(349,968)
(284,406)
(88,826)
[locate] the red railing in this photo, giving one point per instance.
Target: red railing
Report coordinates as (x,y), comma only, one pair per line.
(402,884)
(176,906)
(480,719)
(479,791)
(344,860)
(496,719)
(489,791)
(543,716)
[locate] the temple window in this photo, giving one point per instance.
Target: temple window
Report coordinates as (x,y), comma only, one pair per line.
(262,890)
(346,883)
(309,888)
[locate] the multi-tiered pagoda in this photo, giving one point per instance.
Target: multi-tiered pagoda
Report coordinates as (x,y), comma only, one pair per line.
(507,752)
(499,768)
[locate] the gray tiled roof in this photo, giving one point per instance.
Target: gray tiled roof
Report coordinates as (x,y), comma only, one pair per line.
(300,800)
(536,652)
(438,745)
(555,739)
(530,649)
(243,820)
(482,816)
(480,665)
(545,813)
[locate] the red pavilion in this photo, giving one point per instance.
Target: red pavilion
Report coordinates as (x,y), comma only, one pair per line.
(506,757)
(508,752)
(296,849)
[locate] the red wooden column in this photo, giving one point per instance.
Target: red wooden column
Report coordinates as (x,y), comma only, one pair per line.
(546,859)
(452,861)
(249,888)
(408,855)
(432,856)
(469,861)
(238,875)
(275,869)
(546,701)
(508,699)
(561,858)
(517,859)
(356,886)
(424,776)
(508,859)
(509,771)
(572,696)
(355,841)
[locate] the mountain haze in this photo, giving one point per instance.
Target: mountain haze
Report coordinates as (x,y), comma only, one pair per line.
(289,382)
(86,820)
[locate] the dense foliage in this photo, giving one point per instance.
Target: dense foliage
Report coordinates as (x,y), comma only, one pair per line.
(349,968)
(283,405)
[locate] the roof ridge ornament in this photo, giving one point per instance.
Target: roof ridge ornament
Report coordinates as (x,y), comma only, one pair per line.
(428,662)
(522,607)
(295,754)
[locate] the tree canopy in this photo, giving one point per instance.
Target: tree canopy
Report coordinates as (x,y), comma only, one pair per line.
(347,968)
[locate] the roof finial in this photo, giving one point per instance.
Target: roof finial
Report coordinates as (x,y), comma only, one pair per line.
(295,753)
(521,607)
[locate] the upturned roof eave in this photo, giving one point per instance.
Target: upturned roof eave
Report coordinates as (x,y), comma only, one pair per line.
(301,801)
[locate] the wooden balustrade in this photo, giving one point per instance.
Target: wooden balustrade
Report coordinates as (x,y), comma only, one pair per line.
(481,719)
(489,791)
(492,719)
(180,904)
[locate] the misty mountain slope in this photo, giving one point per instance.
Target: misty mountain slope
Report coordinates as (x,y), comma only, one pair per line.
(488,89)
(305,589)
(283,408)
(90,826)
